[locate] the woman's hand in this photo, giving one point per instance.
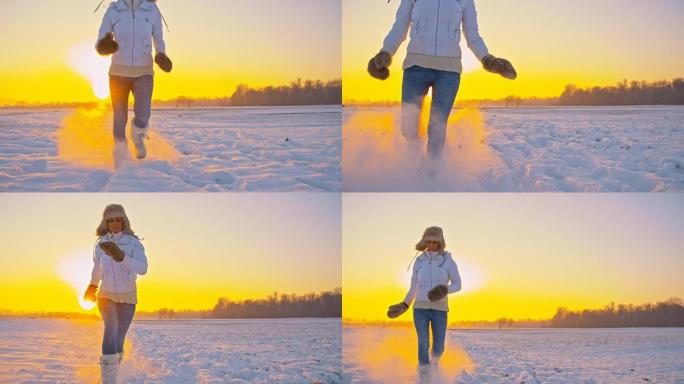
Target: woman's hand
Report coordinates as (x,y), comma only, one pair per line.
(163,62)
(112,250)
(501,66)
(438,292)
(90,293)
(107,45)
(378,66)
(397,310)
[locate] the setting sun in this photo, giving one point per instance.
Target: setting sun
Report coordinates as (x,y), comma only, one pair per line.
(87,63)
(75,272)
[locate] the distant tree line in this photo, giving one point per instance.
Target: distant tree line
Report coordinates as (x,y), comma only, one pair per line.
(325,304)
(505,322)
(661,92)
(308,92)
(668,313)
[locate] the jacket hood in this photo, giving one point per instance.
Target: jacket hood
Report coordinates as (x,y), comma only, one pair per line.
(120,5)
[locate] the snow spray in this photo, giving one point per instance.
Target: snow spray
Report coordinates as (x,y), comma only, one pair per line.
(85,139)
(376,156)
(391,356)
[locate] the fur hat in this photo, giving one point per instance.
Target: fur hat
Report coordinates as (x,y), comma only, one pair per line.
(434,234)
(113,211)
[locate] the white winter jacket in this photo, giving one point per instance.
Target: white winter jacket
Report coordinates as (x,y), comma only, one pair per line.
(430,270)
(436,28)
(119,277)
(135,30)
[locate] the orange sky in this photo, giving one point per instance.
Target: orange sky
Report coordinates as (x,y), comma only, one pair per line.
(215,45)
(519,255)
(199,246)
(552,43)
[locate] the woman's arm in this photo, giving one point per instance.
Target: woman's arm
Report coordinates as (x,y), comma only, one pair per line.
(106,26)
(454,276)
(400,28)
(472,31)
(136,261)
(158,34)
(413,291)
(96,274)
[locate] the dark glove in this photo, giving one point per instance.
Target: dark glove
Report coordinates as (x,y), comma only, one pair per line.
(90,293)
(112,250)
(397,310)
(163,62)
(501,66)
(438,292)
(378,66)
(107,45)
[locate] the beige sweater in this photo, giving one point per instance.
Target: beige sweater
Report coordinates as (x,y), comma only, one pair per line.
(125,298)
(128,71)
(442,63)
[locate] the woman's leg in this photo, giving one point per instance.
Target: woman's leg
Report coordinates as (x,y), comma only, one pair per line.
(414,87)
(119,88)
(439,326)
(142,104)
(421,320)
(142,92)
(109,317)
(125,314)
(443,95)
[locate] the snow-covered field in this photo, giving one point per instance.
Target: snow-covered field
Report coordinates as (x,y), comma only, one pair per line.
(611,149)
(630,355)
(220,149)
(192,351)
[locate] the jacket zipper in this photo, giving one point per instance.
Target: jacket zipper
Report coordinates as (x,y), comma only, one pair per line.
(439,3)
(133,49)
(111,262)
(430,269)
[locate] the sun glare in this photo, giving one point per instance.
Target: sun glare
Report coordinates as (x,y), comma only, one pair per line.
(86,62)
(75,270)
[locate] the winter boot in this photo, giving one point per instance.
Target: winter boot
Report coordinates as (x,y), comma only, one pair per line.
(120,152)
(424,374)
(434,361)
(139,135)
(109,368)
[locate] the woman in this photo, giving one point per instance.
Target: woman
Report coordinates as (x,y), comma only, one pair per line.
(433,60)
(118,258)
(128,29)
(435,275)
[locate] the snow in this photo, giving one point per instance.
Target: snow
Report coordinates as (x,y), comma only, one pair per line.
(220,149)
(606,149)
(628,355)
(175,351)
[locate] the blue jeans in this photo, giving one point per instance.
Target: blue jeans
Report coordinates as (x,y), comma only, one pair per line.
(423,319)
(120,88)
(417,81)
(117,318)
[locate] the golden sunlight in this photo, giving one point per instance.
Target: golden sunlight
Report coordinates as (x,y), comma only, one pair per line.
(75,270)
(472,276)
(86,62)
